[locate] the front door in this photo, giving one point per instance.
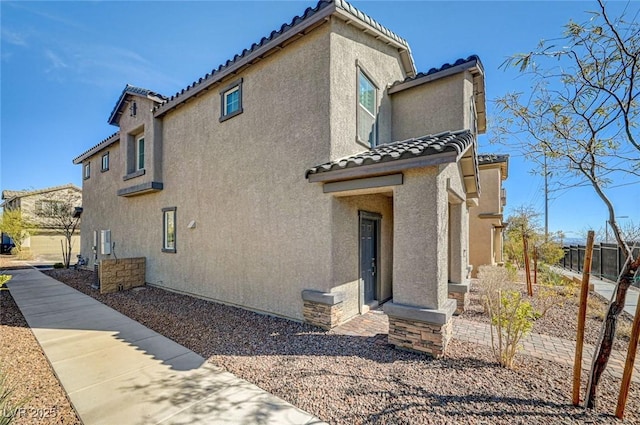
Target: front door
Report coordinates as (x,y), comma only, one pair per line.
(369,258)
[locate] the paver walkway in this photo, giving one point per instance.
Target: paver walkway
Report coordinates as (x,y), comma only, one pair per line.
(375,325)
(117,371)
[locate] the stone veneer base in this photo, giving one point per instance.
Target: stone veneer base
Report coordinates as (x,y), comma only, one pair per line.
(460,293)
(322,309)
(121,274)
(424,330)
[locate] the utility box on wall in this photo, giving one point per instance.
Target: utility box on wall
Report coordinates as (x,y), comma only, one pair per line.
(121,274)
(105,238)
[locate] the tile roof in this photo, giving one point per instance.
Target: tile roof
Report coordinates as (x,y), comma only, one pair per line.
(473,60)
(96,148)
(448,142)
(495,158)
(12,194)
(139,91)
(492,158)
(298,23)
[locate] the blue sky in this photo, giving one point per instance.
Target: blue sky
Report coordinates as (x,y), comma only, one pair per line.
(64,65)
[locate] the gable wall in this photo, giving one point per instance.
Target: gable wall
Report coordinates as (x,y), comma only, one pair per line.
(260,233)
(433,107)
(380,62)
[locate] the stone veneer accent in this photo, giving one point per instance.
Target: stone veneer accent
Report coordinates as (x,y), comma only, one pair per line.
(323,309)
(121,274)
(460,293)
(420,329)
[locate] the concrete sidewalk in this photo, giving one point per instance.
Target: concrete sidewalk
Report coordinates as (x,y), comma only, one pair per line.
(117,371)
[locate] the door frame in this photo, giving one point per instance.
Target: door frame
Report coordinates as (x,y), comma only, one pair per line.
(377,219)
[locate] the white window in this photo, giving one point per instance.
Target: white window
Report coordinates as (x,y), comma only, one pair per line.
(105,161)
(231,100)
(169,229)
(87,170)
(367,110)
(140,154)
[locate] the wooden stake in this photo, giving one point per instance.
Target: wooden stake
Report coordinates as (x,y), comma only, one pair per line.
(582,314)
(628,366)
(535,265)
(527,265)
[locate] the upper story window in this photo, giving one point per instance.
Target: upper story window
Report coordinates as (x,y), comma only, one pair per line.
(105,161)
(367,110)
(140,153)
(87,170)
(231,100)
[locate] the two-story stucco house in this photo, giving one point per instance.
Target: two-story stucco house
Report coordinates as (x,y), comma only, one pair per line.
(486,221)
(40,207)
(313,176)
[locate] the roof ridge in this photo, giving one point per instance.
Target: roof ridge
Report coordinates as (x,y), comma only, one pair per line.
(104,141)
(443,67)
(22,193)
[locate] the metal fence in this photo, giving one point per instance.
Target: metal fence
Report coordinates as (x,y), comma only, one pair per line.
(607,261)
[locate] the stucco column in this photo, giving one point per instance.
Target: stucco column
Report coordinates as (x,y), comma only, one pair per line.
(459,247)
(420,312)
(420,266)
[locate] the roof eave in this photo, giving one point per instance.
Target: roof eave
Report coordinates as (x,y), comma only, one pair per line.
(257,54)
(382,168)
(403,47)
(114,118)
(97,148)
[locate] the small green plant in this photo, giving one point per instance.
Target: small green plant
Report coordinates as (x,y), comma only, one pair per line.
(4,278)
(58,266)
(8,408)
(511,319)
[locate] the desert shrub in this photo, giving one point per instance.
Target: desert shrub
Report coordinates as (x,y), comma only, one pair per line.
(492,279)
(596,309)
(512,271)
(58,266)
(511,319)
(511,316)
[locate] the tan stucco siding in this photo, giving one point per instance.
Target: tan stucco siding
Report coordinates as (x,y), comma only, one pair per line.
(431,108)
(420,221)
(260,233)
(483,243)
(133,127)
(345,233)
(421,236)
(381,63)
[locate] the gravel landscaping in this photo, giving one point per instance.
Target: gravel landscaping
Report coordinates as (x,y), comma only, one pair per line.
(561,320)
(356,380)
(29,372)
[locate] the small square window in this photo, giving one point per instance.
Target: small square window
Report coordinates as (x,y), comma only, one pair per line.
(231,100)
(87,170)
(105,161)
(169,229)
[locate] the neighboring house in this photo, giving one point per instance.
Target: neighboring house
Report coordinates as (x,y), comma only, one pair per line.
(486,221)
(274,182)
(37,206)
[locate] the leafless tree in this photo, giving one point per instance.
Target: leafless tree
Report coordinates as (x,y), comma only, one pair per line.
(580,118)
(57,211)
